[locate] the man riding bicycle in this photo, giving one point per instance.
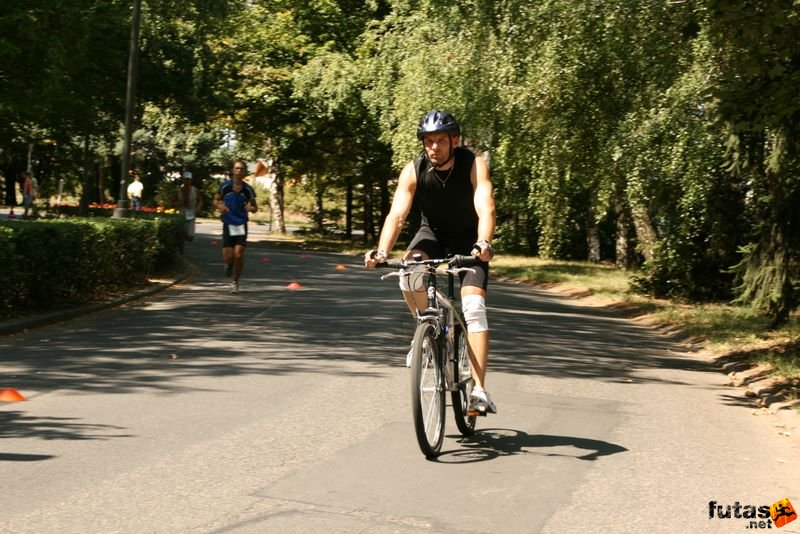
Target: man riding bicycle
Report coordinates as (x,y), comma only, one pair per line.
(451,185)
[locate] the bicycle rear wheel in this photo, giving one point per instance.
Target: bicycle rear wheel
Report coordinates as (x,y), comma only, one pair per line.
(460,396)
(427,391)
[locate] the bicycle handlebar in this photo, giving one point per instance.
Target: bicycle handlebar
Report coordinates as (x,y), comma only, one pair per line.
(457,260)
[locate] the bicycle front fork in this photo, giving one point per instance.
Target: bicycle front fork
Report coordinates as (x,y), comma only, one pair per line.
(448,351)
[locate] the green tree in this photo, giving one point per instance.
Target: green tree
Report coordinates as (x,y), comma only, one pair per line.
(757,96)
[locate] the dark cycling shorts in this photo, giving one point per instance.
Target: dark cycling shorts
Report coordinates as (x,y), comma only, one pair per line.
(233,240)
(441,247)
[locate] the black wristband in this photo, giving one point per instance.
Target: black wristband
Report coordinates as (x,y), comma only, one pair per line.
(484,244)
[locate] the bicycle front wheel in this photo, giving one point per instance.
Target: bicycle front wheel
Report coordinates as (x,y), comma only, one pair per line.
(460,396)
(427,391)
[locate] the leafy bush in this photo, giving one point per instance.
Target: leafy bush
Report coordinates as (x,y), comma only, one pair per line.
(11,275)
(685,271)
(48,264)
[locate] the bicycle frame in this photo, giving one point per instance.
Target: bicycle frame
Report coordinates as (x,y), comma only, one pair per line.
(441,310)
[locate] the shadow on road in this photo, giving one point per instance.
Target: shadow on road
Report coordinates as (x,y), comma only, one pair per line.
(13,457)
(491,443)
(16,424)
(535,333)
(342,314)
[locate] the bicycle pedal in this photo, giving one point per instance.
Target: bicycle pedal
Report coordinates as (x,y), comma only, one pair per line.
(474,413)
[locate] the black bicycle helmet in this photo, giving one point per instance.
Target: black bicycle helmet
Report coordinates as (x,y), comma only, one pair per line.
(437,121)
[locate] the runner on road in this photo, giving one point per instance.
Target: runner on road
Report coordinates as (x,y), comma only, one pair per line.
(235,200)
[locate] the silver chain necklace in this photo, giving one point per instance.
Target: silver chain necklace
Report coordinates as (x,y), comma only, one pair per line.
(444,181)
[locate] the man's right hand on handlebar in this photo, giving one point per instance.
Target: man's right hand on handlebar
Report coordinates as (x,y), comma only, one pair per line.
(373,257)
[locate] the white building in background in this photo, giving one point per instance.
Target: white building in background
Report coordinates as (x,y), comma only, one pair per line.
(260,170)
(257,174)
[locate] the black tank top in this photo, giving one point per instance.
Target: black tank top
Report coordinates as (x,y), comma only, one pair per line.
(447,202)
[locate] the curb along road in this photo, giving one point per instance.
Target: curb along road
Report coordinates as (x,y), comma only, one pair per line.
(20,324)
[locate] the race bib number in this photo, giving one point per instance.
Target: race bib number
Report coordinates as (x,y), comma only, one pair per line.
(236,229)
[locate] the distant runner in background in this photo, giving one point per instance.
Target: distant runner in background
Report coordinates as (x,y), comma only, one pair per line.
(235,200)
(190,202)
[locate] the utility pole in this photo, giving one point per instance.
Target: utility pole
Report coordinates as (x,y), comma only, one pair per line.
(133,66)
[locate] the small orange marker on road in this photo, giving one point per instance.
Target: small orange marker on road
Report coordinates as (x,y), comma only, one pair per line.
(340,267)
(214,242)
(10,395)
(294,285)
(264,259)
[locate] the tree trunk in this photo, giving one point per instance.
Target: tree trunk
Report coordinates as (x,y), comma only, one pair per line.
(348,226)
(592,232)
(319,217)
(276,203)
(275,195)
(369,216)
(645,233)
(592,238)
(87,184)
(623,257)
(101,193)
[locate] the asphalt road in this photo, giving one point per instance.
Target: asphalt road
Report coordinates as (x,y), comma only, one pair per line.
(279,410)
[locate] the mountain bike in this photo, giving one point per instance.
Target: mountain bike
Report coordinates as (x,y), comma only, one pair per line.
(440,360)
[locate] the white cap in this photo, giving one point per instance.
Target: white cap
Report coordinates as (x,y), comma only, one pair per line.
(187,174)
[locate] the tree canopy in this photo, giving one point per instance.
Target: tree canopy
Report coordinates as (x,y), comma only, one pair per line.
(659,134)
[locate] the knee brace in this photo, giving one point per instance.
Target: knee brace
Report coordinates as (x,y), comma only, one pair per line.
(474,308)
(413,281)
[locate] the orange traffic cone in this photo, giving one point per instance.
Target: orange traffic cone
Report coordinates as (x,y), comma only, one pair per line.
(340,267)
(10,395)
(294,285)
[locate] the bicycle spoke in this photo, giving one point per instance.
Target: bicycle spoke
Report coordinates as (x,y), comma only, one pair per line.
(427,393)
(460,397)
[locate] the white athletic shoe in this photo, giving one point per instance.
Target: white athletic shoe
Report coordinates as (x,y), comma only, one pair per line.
(235,286)
(481,401)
